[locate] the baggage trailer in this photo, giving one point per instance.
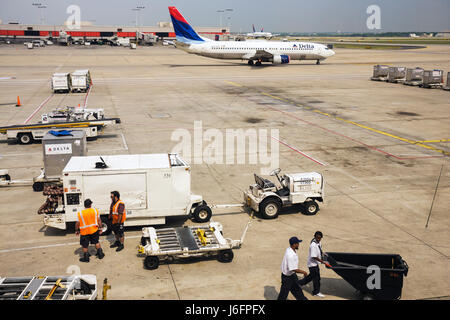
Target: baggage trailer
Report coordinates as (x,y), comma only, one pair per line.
(396,75)
(152,186)
(447,86)
(380,73)
(414,76)
(61,82)
(360,271)
(27,133)
(75,287)
(81,80)
(433,79)
(188,241)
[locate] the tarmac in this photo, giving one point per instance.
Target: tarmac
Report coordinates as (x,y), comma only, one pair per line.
(382,148)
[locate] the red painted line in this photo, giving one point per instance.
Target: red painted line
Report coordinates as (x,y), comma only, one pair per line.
(354,140)
(300,152)
(39,108)
(87,95)
(337,133)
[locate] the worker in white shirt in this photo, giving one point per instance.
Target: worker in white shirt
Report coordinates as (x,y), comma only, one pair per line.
(289,270)
(314,258)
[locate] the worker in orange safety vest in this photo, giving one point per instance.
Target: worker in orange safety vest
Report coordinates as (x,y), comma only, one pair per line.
(117,215)
(89,226)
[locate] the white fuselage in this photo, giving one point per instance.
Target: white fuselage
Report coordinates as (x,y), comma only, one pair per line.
(266,35)
(244,50)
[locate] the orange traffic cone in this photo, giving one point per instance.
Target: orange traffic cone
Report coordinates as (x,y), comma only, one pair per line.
(18,102)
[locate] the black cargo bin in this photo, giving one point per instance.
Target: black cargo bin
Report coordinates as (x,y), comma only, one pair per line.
(376,276)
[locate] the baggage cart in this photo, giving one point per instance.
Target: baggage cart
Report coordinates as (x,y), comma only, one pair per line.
(396,74)
(447,86)
(380,73)
(433,79)
(361,271)
(414,76)
(75,287)
(184,242)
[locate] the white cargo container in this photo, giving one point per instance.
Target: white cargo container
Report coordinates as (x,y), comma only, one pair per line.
(447,86)
(152,186)
(61,82)
(433,79)
(81,80)
(123,42)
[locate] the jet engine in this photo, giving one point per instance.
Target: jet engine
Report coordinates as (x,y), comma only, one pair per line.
(280,59)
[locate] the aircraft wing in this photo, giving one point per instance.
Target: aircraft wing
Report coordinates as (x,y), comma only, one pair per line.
(257,54)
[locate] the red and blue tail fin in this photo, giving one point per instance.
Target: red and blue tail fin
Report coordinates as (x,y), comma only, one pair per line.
(184,32)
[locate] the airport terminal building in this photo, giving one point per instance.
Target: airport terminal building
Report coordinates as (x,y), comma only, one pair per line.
(164,31)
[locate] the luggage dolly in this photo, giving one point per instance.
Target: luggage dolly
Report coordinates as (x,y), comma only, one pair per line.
(184,242)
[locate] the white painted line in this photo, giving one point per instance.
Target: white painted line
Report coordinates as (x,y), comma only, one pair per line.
(56,245)
(20,154)
(124,141)
(38,108)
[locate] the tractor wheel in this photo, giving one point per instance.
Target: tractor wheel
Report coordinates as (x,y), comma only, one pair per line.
(311,208)
(202,213)
(269,208)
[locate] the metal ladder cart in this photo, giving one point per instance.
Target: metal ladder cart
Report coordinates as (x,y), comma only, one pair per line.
(75,287)
(185,242)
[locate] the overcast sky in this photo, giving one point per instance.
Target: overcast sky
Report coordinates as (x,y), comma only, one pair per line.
(274,16)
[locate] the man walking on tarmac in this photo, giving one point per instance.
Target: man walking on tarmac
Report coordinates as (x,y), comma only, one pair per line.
(89,226)
(314,258)
(118,215)
(289,270)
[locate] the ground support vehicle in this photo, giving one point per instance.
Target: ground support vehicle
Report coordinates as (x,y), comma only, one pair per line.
(27,133)
(189,241)
(303,189)
(152,186)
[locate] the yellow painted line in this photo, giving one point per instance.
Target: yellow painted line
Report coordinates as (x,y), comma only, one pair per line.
(416,143)
(274,97)
(234,84)
(434,141)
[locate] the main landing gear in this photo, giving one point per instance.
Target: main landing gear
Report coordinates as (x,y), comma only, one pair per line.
(256,63)
(318,62)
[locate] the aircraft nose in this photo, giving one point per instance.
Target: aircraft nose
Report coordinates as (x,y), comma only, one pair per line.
(331,53)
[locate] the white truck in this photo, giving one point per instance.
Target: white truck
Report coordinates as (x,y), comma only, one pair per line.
(295,188)
(152,186)
(61,82)
(81,80)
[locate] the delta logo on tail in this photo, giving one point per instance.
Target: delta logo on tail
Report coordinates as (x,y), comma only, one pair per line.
(183,30)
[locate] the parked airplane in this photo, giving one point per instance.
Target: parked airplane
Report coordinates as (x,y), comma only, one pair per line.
(253,51)
(261,34)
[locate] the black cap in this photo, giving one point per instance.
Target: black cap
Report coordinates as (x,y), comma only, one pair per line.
(294,240)
(87,203)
